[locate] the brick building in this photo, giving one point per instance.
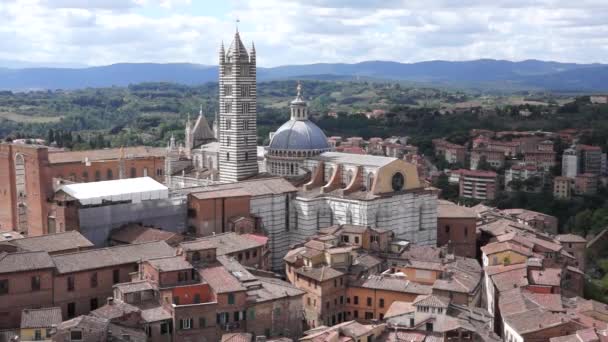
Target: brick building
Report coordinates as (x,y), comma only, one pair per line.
(452,153)
(495,158)
(27,172)
(478,184)
(456,229)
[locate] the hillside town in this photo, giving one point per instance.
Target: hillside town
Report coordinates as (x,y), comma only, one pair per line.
(311,238)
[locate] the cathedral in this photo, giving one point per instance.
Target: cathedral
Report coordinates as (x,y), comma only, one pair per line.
(327,187)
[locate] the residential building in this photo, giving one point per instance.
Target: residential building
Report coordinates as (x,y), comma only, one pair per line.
(586,184)
(456,229)
(575,245)
(58,243)
(570,163)
(452,153)
(350,331)
(544,160)
(479,185)
(494,158)
(563,187)
(522,177)
(39,324)
(591,159)
(89,328)
(541,222)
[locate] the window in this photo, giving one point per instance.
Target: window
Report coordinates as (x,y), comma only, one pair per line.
(245,108)
(71,310)
(202,322)
(116,276)
(37,335)
(356,300)
(228,109)
(85,176)
(228,141)
(186,323)
(251,314)
(411,322)
(447,228)
(369,301)
(133,172)
(70,283)
(97,176)
(164,328)
(228,156)
(356,239)
(369,315)
(227,90)
(356,314)
(327,304)
(345,238)
(94,304)
(236,316)
(341,281)
(145,172)
(308,301)
(245,90)
(247,255)
(196,256)
(94,279)
(381,316)
(109,174)
(35,283)
(335,282)
(231,298)
(381,302)
(228,124)
(341,299)
(429,327)
(159,172)
(240,256)
(75,335)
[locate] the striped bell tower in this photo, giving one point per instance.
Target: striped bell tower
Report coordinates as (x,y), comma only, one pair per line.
(238,134)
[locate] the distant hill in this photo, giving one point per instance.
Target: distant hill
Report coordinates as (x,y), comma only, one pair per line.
(484,72)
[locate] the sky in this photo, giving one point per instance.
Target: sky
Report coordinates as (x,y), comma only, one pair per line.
(287,32)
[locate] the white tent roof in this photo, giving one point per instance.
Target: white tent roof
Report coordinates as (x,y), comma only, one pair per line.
(133,189)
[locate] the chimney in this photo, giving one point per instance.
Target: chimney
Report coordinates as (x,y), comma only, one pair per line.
(110,301)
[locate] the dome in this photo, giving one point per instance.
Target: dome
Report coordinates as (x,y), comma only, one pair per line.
(299,135)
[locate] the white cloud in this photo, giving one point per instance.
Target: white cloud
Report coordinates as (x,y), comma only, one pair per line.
(304,31)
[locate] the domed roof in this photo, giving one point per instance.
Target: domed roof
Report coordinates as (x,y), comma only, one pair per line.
(299,135)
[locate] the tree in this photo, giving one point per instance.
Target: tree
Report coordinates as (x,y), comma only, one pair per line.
(583,222)
(483,164)
(50,136)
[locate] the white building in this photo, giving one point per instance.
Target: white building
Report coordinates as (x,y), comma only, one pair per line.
(570,163)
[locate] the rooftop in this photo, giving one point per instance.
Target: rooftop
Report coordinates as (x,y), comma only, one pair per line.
(41,318)
(220,279)
(393,284)
(254,187)
(111,256)
(535,320)
(54,242)
(169,264)
(319,273)
(225,243)
(106,154)
(570,238)
(432,300)
(133,189)
(447,209)
(24,261)
(498,247)
(355,159)
(135,233)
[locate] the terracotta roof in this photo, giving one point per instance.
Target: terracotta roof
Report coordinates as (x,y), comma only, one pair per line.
(225,243)
(106,154)
(446,209)
(51,243)
(25,261)
(498,247)
(255,187)
(547,277)
(510,279)
(155,314)
(135,233)
(496,269)
(550,301)
(111,256)
(535,320)
(396,284)
(258,238)
(422,253)
(135,286)
(169,264)
(222,193)
(237,337)
(570,238)
(319,273)
(273,289)
(220,279)
(116,309)
(398,308)
(89,323)
(432,300)
(41,318)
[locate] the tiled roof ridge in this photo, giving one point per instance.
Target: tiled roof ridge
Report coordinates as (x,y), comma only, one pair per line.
(109,247)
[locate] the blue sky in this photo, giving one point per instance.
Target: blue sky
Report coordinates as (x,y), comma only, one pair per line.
(99,32)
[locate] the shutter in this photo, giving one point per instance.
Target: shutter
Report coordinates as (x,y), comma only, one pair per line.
(181,324)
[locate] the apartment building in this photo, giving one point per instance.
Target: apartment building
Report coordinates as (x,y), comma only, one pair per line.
(479,185)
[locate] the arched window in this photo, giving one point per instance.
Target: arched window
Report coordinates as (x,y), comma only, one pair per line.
(20,185)
(349,177)
(420,218)
(110,174)
(349,217)
(369,181)
(97,176)
(292,169)
(133,172)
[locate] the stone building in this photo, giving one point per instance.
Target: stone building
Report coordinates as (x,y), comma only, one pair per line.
(237,126)
(295,141)
(456,229)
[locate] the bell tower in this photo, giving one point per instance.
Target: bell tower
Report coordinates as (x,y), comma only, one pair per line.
(237,121)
